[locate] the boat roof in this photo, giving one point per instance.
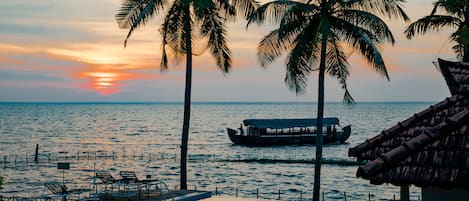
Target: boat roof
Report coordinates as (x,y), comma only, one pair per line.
(288,123)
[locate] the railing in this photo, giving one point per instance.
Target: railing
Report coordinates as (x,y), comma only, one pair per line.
(303,195)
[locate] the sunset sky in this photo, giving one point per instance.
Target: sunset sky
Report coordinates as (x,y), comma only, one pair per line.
(72,51)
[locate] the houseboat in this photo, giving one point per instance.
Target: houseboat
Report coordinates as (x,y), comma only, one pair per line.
(268,132)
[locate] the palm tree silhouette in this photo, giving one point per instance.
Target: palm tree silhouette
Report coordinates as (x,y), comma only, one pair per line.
(185,22)
(457,16)
(316,31)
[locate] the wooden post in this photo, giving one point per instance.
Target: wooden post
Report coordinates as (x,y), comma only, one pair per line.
(236,191)
(323,196)
(301,195)
(36,154)
(279,194)
(216,190)
(394,197)
(369,196)
(405,193)
(257,193)
(345,196)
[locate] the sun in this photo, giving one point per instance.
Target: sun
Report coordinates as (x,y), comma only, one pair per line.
(104,82)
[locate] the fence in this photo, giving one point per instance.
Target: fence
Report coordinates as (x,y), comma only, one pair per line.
(280,194)
(256,193)
(301,195)
(80,156)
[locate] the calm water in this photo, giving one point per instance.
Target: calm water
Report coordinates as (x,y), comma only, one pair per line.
(149,136)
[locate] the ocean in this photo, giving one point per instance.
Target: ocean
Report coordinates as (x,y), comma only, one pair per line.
(145,138)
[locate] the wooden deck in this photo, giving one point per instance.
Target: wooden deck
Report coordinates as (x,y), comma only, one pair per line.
(177,195)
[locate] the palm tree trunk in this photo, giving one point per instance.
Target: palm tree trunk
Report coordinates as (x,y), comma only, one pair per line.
(317,164)
(187,101)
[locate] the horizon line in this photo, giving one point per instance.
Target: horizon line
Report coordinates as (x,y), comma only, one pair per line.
(199,102)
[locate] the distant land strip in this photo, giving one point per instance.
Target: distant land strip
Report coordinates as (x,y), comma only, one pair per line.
(335,161)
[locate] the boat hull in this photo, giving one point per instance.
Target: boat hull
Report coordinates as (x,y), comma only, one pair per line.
(286,139)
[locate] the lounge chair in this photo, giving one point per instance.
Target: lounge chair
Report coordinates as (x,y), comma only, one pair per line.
(131,177)
(56,190)
(108,180)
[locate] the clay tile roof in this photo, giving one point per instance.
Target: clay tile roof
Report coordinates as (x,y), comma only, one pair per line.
(456,75)
(429,148)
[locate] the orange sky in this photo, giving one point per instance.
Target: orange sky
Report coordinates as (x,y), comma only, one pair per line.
(73,50)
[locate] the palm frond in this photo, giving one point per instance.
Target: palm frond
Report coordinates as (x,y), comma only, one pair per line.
(364,42)
(282,39)
(172,32)
(164,59)
(455,8)
(458,49)
(203,8)
(213,28)
(338,67)
(135,13)
(461,40)
(348,99)
(431,23)
(303,56)
(393,9)
(272,11)
(370,22)
(245,7)
(226,9)
(295,18)
(272,46)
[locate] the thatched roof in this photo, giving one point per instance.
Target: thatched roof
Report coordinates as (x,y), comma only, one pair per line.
(431,148)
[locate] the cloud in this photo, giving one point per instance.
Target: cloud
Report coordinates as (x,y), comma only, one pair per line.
(29,76)
(56,50)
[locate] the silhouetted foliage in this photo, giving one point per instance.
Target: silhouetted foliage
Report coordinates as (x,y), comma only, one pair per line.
(454,15)
(314,32)
(187,24)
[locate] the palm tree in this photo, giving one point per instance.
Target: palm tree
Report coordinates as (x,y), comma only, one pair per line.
(315,31)
(457,16)
(185,22)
